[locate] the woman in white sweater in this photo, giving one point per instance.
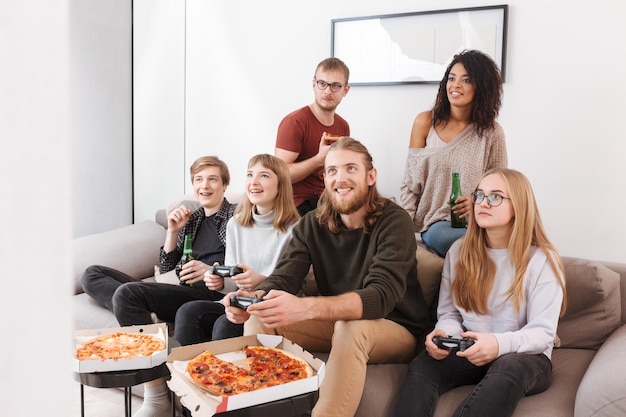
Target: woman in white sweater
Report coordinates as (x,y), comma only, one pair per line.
(255,237)
(503,288)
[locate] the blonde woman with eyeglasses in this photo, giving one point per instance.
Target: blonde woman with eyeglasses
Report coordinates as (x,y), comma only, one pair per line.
(503,289)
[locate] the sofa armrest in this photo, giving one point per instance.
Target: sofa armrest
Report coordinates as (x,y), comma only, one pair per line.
(602,391)
(132,249)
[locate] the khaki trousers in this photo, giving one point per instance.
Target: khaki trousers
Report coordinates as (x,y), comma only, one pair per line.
(352,345)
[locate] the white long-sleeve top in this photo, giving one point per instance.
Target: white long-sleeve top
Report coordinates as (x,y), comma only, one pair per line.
(531,329)
(258,246)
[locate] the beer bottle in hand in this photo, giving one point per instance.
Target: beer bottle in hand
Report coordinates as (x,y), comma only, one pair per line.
(187,256)
(455,220)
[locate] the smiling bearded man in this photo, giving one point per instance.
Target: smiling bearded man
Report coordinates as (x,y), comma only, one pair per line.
(370,307)
(348,189)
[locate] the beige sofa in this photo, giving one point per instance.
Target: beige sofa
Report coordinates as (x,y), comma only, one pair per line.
(589,366)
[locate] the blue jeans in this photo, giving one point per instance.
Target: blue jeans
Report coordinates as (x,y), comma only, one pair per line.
(501,384)
(440,236)
(133,301)
(203,321)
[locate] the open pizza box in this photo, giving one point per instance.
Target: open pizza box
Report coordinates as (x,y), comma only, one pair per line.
(203,404)
(87,366)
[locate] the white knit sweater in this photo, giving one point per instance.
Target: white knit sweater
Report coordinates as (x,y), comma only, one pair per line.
(258,247)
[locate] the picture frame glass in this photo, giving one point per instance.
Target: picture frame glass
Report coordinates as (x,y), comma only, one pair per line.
(416,47)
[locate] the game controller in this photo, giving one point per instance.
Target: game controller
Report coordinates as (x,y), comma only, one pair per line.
(244,302)
(453,343)
(225,271)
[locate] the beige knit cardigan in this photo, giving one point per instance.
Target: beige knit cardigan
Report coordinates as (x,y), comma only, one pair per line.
(427,183)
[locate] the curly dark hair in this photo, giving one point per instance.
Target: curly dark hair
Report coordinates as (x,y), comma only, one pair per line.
(487,81)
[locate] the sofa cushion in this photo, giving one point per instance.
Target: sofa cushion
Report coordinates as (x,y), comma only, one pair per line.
(88,314)
(166,278)
(429,267)
(132,249)
(593,304)
(601,392)
(568,368)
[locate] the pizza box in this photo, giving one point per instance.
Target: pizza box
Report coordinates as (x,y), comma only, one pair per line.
(203,404)
(88,366)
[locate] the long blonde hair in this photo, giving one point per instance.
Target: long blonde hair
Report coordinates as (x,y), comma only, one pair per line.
(285,211)
(475,271)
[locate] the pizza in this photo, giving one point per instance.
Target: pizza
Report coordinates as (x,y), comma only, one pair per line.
(264,367)
(329,138)
(119,345)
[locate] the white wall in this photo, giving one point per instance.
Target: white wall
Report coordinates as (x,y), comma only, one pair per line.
(35,211)
(249,63)
(101,125)
(159,104)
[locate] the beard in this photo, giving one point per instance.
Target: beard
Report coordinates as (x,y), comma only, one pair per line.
(348,206)
(326,106)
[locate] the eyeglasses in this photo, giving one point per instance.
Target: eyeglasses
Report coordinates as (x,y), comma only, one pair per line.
(494,200)
(334,87)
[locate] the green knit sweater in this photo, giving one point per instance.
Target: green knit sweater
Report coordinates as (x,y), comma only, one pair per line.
(379,266)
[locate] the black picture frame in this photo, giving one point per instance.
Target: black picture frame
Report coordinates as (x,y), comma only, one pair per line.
(416,48)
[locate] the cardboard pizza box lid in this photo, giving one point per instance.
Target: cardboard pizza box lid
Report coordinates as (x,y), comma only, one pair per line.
(203,404)
(88,366)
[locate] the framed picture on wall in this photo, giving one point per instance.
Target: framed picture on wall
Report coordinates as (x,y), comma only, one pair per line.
(416,48)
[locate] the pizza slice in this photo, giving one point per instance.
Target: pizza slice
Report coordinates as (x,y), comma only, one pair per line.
(266,367)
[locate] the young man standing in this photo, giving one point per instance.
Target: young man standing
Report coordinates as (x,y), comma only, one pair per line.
(371,308)
(300,142)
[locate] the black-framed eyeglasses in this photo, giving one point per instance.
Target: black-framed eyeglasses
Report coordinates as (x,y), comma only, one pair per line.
(334,87)
(494,200)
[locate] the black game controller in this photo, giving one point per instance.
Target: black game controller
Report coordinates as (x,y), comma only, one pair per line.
(453,343)
(244,302)
(225,271)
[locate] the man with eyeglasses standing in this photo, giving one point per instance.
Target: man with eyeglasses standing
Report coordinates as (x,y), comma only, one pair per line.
(300,140)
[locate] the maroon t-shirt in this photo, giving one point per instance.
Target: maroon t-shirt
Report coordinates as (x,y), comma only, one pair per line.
(301,132)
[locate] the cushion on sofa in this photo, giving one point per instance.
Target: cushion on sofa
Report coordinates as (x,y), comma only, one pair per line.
(88,314)
(601,392)
(568,368)
(429,267)
(593,304)
(131,249)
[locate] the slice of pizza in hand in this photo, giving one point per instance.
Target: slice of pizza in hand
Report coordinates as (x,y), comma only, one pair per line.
(329,138)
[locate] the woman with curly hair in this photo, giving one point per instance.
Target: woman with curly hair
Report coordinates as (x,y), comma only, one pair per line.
(460,134)
(503,287)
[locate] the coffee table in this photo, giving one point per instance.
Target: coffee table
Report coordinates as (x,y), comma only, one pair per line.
(118,379)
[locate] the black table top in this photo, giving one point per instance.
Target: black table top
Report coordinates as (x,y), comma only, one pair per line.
(118,379)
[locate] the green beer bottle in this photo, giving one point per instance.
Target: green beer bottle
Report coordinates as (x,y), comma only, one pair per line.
(187,256)
(455,220)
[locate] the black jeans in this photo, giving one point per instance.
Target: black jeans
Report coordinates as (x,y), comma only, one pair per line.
(501,384)
(133,301)
(203,321)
